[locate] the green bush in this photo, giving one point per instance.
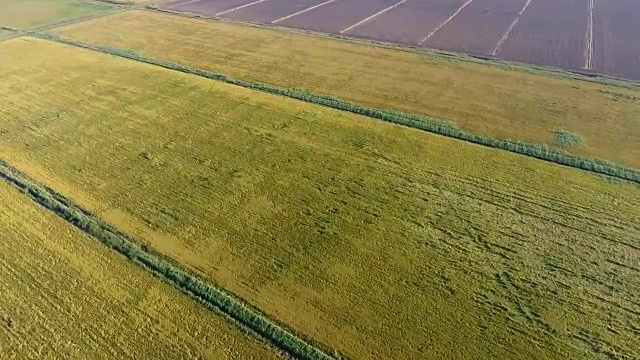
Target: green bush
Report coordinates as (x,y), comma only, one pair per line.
(566,138)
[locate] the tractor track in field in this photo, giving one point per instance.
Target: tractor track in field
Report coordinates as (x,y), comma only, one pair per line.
(590,39)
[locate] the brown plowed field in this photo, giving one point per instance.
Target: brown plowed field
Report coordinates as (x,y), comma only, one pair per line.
(271,10)
(616,28)
(205,7)
(551,33)
(408,23)
(478,28)
(337,16)
(548,32)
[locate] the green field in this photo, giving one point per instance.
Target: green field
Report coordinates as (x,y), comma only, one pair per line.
(26,14)
(479,98)
(65,296)
(375,240)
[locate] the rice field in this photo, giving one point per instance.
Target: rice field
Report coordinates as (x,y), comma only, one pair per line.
(26,14)
(65,296)
(487,100)
(375,240)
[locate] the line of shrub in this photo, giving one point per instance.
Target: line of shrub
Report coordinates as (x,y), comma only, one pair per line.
(215,298)
(539,151)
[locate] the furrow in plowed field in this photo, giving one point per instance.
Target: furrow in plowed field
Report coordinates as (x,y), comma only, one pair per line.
(272,10)
(205,7)
(376,240)
(338,15)
(409,23)
(478,28)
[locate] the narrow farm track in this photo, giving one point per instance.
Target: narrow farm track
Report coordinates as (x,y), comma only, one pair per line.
(215,298)
(372,16)
(445,22)
(508,32)
(590,39)
(6,35)
(302,11)
(240,7)
(186,3)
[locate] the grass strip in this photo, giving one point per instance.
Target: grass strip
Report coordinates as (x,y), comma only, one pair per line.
(539,151)
(213,297)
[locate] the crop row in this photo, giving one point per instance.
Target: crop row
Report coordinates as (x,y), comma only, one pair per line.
(214,298)
(539,151)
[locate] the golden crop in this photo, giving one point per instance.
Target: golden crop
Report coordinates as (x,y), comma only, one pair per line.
(376,240)
(487,100)
(66,296)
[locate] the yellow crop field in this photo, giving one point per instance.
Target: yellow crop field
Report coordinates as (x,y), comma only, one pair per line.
(378,241)
(65,296)
(483,99)
(26,14)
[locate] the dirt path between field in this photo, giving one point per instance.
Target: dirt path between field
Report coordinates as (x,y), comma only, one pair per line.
(589,50)
(446,22)
(513,25)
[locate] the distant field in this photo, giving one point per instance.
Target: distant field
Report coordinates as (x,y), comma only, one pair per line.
(376,240)
(24,14)
(551,33)
(483,99)
(545,32)
(65,296)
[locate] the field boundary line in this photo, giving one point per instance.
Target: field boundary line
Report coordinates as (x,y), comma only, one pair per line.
(11,33)
(213,297)
(589,50)
(508,33)
(420,122)
(240,7)
(182,13)
(372,16)
(301,12)
(9,36)
(109,2)
(185,3)
(445,22)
